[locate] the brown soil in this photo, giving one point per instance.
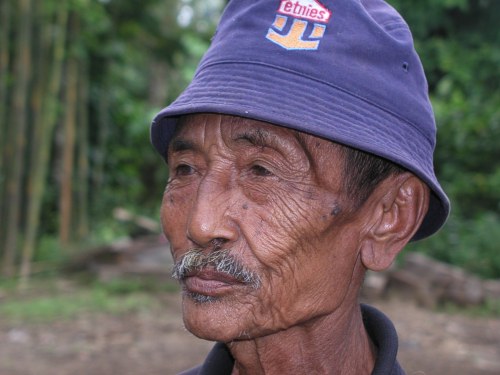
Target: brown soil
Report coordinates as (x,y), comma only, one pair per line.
(154,342)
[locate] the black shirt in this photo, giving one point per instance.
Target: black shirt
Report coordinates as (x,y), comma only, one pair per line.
(380,329)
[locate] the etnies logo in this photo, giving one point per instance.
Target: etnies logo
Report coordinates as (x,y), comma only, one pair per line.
(308,20)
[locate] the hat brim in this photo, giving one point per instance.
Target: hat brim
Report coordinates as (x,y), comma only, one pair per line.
(288,99)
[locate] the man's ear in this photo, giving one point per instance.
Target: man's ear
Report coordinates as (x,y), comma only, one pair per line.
(397,207)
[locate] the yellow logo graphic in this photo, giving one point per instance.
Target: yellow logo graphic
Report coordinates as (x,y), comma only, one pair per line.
(308,20)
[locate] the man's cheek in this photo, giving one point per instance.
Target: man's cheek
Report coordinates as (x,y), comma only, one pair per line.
(276,259)
(295,226)
(280,300)
(304,206)
(177,196)
(267,238)
(174,211)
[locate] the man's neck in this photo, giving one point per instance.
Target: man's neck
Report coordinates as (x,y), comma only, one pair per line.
(332,344)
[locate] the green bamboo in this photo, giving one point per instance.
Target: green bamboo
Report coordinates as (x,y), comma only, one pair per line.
(49,116)
(17,134)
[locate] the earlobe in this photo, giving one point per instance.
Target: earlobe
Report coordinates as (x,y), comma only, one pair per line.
(397,210)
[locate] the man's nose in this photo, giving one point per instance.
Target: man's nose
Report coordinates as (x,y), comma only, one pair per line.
(211,216)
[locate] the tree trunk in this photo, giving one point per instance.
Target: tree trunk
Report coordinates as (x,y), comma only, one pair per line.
(18,121)
(48,119)
(68,152)
(83,161)
(103,121)
(5,16)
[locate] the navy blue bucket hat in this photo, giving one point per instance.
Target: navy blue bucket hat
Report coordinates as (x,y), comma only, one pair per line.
(344,70)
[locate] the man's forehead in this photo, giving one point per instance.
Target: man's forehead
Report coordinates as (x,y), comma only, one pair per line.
(323,157)
(195,127)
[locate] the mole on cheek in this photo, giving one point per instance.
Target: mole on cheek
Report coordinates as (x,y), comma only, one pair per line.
(170,199)
(245,206)
(336,210)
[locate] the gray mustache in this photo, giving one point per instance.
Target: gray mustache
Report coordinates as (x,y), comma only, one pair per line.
(220,260)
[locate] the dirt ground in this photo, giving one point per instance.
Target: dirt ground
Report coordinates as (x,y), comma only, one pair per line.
(153,341)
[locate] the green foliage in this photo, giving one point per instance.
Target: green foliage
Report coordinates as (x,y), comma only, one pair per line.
(458,41)
(124,286)
(141,37)
(52,308)
(49,250)
(471,244)
(51,298)
(48,301)
(490,308)
(140,55)
(139,58)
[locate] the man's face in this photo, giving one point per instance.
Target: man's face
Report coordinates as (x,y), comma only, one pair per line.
(271,198)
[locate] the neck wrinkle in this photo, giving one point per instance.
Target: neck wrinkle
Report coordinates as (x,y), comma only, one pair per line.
(333,344)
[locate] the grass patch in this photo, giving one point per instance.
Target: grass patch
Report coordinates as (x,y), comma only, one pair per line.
(53,297)
(48,309)
(489,309)
(122,286)
(47,301)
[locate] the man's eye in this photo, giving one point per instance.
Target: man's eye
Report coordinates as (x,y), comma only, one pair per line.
(183,170)
(259,170)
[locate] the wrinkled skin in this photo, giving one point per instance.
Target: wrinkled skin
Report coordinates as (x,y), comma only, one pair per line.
(273,196)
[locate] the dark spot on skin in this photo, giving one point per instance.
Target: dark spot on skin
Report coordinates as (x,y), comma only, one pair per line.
(317,144)
(336,210)
(245,206)
(171,200)
(324,217)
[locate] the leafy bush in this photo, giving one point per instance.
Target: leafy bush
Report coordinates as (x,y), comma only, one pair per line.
(458,43)
(471,244)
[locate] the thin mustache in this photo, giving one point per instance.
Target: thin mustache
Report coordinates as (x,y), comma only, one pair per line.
(221,260)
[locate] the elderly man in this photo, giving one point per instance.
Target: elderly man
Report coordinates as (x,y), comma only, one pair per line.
(300,156)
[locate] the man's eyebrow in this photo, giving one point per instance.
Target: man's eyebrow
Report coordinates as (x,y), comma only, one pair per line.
(256,137)
(180,144)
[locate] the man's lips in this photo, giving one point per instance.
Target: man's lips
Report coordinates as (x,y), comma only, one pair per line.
(209,282)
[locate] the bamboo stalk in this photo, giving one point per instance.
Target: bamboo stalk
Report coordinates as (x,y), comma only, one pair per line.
(49,116)
(68,151)
(17,135)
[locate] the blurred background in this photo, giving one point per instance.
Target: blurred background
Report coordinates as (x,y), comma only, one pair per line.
(80,184)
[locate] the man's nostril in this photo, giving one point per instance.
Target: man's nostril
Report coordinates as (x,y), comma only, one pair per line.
(218,242)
